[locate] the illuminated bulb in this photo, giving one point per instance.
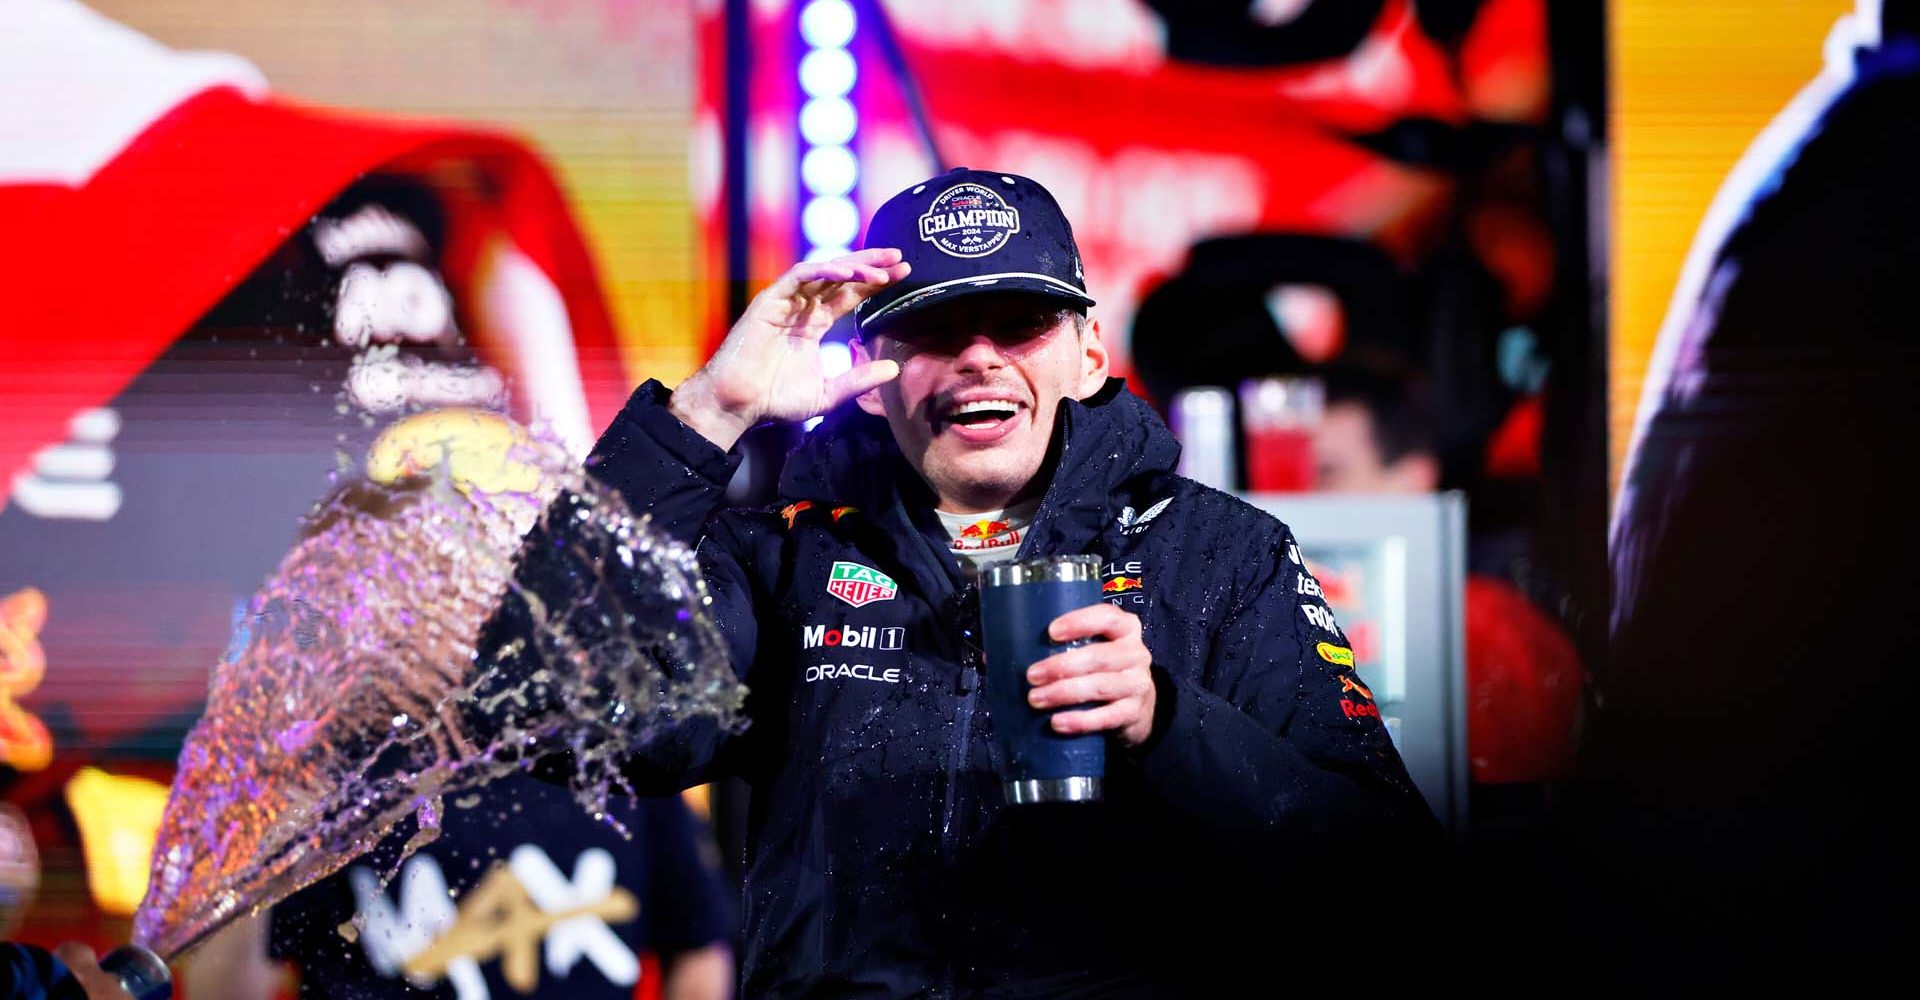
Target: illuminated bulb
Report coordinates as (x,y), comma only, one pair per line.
(828,170)
(827,24)
(827,73)
(830,220)
(827,121)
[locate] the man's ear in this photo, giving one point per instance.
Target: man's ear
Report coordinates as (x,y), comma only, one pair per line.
(1095,362)
(869,400)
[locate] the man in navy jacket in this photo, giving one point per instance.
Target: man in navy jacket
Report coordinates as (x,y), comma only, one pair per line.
(1251,785)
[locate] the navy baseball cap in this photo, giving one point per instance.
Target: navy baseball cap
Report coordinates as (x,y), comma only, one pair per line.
(972,231)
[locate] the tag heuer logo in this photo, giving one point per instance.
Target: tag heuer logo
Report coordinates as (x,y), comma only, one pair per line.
(860,585)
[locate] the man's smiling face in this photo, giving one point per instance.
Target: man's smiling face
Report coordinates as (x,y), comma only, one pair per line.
(981,379)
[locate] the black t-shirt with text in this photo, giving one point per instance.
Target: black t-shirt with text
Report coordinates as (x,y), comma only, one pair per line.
(522,894)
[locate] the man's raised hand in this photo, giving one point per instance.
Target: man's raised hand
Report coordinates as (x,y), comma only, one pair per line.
(768,368)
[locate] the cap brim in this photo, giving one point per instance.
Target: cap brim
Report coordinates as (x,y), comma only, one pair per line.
(947,291)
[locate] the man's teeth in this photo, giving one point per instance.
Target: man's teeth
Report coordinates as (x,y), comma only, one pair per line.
(985,406)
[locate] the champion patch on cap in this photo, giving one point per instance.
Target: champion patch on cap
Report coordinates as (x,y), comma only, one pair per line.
(969,220)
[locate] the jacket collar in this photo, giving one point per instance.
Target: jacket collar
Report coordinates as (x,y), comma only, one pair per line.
(1105,446)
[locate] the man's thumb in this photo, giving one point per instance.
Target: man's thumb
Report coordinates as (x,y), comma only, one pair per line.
(859,379)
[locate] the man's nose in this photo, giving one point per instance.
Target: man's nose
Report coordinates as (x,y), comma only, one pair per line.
(979,353)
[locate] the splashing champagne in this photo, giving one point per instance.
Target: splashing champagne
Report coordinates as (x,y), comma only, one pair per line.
(367,682)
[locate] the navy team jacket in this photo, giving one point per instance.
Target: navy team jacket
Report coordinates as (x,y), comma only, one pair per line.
(1267,811)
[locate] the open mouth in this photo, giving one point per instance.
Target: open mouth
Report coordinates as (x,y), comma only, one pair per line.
(981,419)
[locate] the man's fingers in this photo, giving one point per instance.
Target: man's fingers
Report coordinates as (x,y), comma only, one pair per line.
(1067,663)
(873,279)
(75,953)
(816,277)
(848,286)
(1085,689)
(874,257)
(85,966)
(859,379)
(1096,657)
(835,286)
(1102,621)
(857,265)
(876,267)
(1113,715)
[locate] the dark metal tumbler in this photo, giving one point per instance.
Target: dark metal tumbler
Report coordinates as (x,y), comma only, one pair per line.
(141,973)
(1017,602)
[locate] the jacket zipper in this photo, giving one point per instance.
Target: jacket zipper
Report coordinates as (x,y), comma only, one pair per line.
(970,667)
(969,690)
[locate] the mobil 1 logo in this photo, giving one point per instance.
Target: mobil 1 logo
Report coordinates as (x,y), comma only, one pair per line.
(853,636)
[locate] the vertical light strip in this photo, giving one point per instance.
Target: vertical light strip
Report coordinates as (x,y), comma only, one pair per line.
(829,219)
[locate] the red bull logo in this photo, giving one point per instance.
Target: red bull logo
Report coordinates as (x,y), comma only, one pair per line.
(794,510)
(984,529)
(791,512)
(1120,584)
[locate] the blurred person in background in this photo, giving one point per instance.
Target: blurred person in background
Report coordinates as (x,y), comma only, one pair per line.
(520,895)
(1735,808)
(1526,686)
(1525,682)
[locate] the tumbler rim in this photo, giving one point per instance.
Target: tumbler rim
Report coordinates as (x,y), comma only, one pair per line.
(1043,569)
(1028,791)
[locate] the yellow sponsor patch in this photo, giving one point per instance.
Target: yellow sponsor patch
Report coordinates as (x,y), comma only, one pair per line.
(1337,655)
